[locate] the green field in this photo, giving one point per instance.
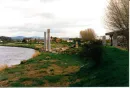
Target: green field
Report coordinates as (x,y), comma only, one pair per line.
(49,69)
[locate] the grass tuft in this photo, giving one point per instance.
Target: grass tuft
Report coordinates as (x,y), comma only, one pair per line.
(37,53)
(2,67)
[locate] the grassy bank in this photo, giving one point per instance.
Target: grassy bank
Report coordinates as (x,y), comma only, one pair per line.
(45,70)
(36,46)
(114,70)
(33,46)
(50,69)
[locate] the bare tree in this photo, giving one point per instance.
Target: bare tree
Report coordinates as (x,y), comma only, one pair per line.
(117,17)
(88,34)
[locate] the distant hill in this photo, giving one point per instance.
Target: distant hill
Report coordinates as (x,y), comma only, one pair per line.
(21,37)
(5,39)
(37,37)
(18,37)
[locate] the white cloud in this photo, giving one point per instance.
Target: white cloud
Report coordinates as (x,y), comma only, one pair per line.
(65,18)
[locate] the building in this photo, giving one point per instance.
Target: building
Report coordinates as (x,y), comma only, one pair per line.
(117,38)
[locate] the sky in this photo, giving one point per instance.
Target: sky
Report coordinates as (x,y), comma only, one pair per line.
(65,18)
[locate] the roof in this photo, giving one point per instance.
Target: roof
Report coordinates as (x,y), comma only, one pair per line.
(117,32)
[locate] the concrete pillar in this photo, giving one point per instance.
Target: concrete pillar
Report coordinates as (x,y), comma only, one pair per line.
(45,43)
(48,40)
(77,45)
(114,39)
(104,40)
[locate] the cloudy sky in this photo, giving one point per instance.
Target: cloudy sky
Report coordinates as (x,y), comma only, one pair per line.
(65,18)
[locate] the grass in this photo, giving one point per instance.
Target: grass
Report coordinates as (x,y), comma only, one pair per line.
(113,72)
(49,69)
(25,81)
(3,77)
(35,46)
(45,67)
(53,79)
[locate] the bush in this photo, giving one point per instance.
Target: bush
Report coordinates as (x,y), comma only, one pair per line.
(88,34)
(92,51)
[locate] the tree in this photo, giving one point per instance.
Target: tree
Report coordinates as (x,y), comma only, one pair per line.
(88,34)
(24,40)
(5,39)
(117,17)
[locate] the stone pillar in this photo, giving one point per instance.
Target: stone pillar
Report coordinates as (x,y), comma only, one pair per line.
(114,39)
(45,44)
(111,39)
(104,40)
(48,40)
(76,45)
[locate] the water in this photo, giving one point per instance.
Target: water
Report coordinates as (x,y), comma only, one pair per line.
(14,55)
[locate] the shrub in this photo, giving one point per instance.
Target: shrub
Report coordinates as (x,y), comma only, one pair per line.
(23,61)
(88,34)
(92,51)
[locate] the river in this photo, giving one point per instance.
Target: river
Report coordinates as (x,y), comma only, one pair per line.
(14,55)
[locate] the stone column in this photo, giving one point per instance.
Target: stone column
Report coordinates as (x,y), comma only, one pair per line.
(104,40)
(45,44)
(76,44)
(114,39)
(48,40)
(111,39)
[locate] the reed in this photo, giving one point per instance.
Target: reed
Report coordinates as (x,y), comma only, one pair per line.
(37,53)
(2,67)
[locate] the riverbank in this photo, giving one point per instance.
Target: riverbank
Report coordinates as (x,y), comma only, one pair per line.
(38,47)
(50,69)
(32,46)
